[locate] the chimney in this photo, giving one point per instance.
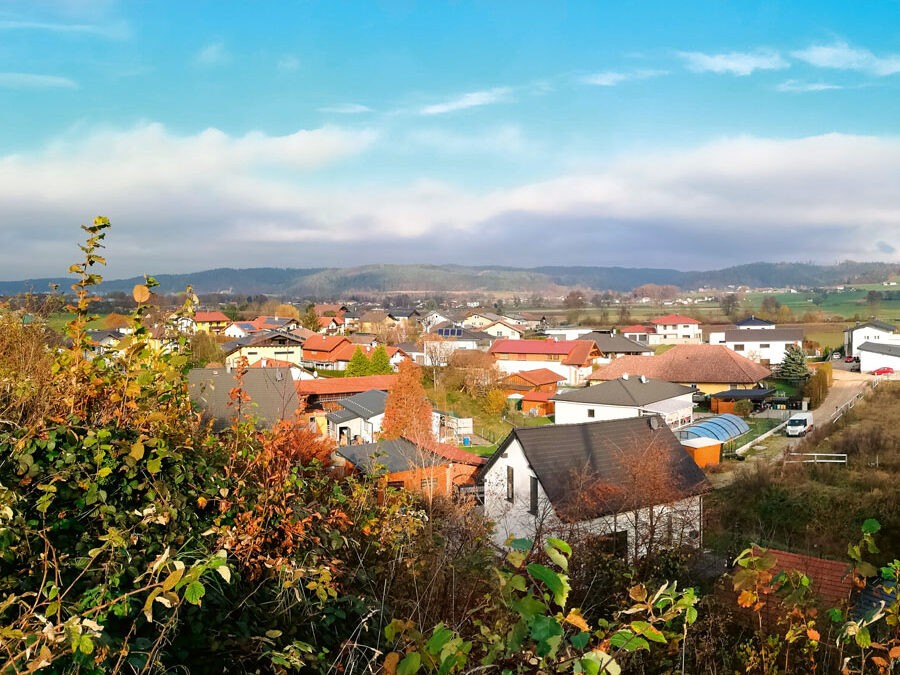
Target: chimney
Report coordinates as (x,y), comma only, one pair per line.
(643,379)
(625,376)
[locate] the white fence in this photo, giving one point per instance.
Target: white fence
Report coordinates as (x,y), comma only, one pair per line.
(815,458)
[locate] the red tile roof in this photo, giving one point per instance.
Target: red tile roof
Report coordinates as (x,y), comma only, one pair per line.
(538,396)
(303,332)
(540,376)
(830,580)
(688,364)
(576,352)
(637,328)
(344,385)
(454,454)
(674,318)
(325,321)
(324,343)
(210,317)
(272,363)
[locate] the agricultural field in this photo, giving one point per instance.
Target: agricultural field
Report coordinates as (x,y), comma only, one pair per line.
(849,304)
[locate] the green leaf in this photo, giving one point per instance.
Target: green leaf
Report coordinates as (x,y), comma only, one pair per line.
(559,545)
(580,640)
(690,615)
(441,636)
(193,592)
(154,465)
(557,583)
(648,631)
(86,644)
(871,526)
(628,641)
(594,661)
(561,561)
(516,582)
(863,639)
(137,451)
(520,544)
(410,664)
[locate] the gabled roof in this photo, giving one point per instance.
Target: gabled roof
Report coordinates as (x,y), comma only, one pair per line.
(259,338)
(272,363)
(829,578)
(325,321)
(210,317)
(344,385)
(264,322)
(272,393)
(692,364)
(403,455)
(304,333)
(673,318)
(612,455)
(636,328)
(539,376)
(365,405)
(615,344)
(874,323)
(575,352)
(877,348)
(511,326)
(490,316)
(324,343)
(764,335)
(753,321)
(634,391)
(336,308)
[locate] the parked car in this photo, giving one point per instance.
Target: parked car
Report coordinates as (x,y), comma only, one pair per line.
(849,359)
(886,370)
(799,424)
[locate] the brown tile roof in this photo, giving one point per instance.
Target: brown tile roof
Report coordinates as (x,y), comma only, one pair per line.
(210,317)
(636,328)
(689,364)
(830,580)
(303,332)
(673,318)
(539,376)
(272,363)
(324,343)
(576,352)
(344,385)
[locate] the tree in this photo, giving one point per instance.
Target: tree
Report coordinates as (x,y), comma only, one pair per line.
(359,364)
(407,412)
(204,349)
(380,362)
(310,319)
(730,304)
(574,300)
(793,364)
(873,299)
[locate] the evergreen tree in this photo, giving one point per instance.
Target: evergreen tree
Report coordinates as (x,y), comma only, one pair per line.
(381,362)
(359,364)
(793,365)
(310,319)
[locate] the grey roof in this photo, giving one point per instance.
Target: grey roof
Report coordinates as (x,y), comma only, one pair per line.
(261,337)
(635,391)
(755,394)
(754,321)
(878,348)
(874,323)
(397,455)
(764,335)
(615,344)
(366,405)
(273,396)
(630,463)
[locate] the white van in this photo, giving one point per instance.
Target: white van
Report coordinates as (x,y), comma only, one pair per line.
(800,424)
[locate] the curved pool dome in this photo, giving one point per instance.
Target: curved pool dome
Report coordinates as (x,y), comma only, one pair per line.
(722,428)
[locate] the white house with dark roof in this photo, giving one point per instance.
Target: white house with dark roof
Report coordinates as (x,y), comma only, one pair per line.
(874,355)
(359,419)
(875,331)
(625,397)
(628,481)
(765,346)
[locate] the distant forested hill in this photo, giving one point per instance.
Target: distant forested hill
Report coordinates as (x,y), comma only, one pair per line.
(377,279)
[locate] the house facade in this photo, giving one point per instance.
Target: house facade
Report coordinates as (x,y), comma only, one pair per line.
(871,331)
(270,344)
(533,389)
(359,418)
(573,359)
(765,346)
(627,481)
(626,397)
(874,355)
(675,329)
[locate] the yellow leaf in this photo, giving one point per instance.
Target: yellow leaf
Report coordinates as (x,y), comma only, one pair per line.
(141,293)
(390,663)
(577,620)
(746,598)
(137,451)
(169,583)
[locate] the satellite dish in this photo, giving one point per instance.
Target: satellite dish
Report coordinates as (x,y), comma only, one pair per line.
(654,422)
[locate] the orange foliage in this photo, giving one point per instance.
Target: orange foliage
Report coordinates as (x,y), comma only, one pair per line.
(407,411)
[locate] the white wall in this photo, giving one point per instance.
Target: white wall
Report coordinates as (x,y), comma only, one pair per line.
(756,351)
(571,412)
(867,334)
(869,361)
(573,374)
(365,429)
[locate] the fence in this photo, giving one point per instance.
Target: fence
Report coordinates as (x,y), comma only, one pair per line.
(840,410)
(815,458)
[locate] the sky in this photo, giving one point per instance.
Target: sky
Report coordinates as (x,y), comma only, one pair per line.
(685,135)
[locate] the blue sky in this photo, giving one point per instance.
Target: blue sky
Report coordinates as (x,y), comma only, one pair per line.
(691,135)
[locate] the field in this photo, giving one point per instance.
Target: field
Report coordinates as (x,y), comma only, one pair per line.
(850,303)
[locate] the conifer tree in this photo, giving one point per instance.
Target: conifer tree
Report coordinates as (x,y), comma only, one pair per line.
(359,364)
(793,365)
(380,363)
(407,411)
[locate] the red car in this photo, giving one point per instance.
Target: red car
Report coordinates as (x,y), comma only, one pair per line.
(883,371)
(849,359)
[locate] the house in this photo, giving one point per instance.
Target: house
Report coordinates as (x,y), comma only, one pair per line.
(505,329)
(874,355)
(638,333)
(273,344)
(573,359)
(871,331)
(241,329)
(613,345)
(627,482)
(478,320)
(431,468)
(329,310)
(676,329)
(377,321)
(433,318)
(333,352)
(103,341)
(710,368)
(626,397)
(210,322)
(439,346)
(359,418)
(533,390)
(752,322)
(331,325)
(297,373)
(272,392)
(324,393)
(765,346)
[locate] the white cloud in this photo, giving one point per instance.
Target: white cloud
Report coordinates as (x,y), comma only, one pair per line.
(35,81)
(346,109)
(842,56)
(503,140)
(472,99)
(182,203)
(798,86)
(612,78)
(213,54)
(734,63)
(288,63)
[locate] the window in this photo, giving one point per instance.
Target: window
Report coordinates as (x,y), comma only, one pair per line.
(510,485)
(533,503)
(428,483)
(396,484)
(591,412)
(764,345)
(739,348)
